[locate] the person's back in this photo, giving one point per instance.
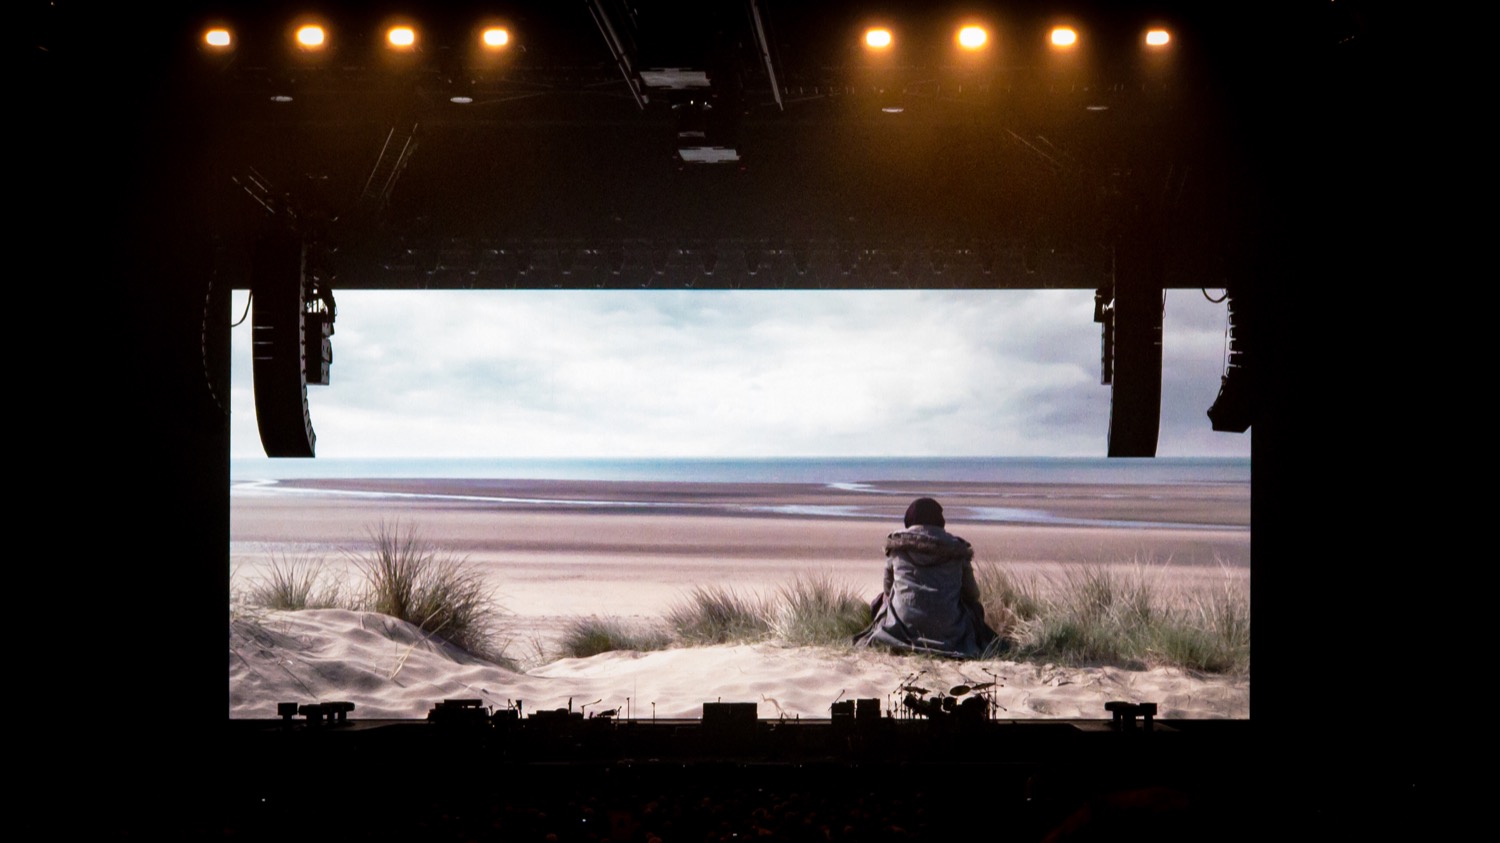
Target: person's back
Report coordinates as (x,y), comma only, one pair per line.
(930,602)
(928,566)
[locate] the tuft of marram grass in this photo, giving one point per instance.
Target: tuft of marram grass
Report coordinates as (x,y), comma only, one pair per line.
(817,610)
(1099,615)
(1008,600)
(440,593)
(592,635)
(1223,616)
(718,615)
(294,584)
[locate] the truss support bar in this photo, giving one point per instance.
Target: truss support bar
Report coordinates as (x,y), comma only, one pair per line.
(617,49)
(765,53)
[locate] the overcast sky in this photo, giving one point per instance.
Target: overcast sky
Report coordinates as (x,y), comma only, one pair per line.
(736,373)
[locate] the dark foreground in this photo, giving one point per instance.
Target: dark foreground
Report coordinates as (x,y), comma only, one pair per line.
(569,779)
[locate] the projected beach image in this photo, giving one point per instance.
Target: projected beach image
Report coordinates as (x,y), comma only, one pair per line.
(632,503)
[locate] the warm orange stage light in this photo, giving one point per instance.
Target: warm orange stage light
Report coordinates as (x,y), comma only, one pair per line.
(878,39)
(1158,38)
(311,36)
(1064,36)
(401,37)
(218,38)
(494,37)
(972,37)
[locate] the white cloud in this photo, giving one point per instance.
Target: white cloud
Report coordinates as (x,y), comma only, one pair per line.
(733,373)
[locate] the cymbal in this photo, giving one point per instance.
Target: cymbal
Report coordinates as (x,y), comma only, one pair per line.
(959,690)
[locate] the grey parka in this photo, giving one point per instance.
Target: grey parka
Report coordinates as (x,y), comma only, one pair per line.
(931,600)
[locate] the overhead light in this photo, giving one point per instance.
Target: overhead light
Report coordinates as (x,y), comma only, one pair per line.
(972,37)
(311,37)
(878,38)
(494,37)
(218,38)
(281,98)
(892,109)
(1064,37)
(708,154)
(461,90)
(401,37)
(1158,38)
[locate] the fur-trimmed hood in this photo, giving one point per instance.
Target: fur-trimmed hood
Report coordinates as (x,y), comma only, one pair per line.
(926,545)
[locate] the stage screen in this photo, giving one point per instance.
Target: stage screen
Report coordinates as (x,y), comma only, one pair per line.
(640,501)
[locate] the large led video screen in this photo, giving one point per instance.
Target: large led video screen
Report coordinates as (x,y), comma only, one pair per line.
(629,503)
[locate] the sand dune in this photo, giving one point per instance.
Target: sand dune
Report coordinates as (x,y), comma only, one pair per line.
(388,669)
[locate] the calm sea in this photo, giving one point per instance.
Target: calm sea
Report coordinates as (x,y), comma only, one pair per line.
(1174,470)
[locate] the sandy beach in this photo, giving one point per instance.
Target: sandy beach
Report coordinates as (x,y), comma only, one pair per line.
(557,550)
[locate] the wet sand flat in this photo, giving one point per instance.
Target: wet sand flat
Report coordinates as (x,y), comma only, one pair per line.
(571,547)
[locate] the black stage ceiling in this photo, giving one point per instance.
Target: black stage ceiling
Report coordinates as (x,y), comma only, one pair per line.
(578,155)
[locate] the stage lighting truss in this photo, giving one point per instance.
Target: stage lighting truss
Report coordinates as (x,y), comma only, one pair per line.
(311,37)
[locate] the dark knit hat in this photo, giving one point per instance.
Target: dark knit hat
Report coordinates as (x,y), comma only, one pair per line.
(924,511)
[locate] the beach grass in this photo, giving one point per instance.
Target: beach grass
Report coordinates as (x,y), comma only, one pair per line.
(595,634)
(720,615)
(1222,616)
(440,593)
(1008,600)
(817,610)
(294,583)
(1122,615)
(812,610)
(1127,614)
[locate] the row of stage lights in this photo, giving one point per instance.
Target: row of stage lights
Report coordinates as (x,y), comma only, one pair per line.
(313,37)
(973,37)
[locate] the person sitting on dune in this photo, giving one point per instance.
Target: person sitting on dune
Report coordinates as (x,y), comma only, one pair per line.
(930,603)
